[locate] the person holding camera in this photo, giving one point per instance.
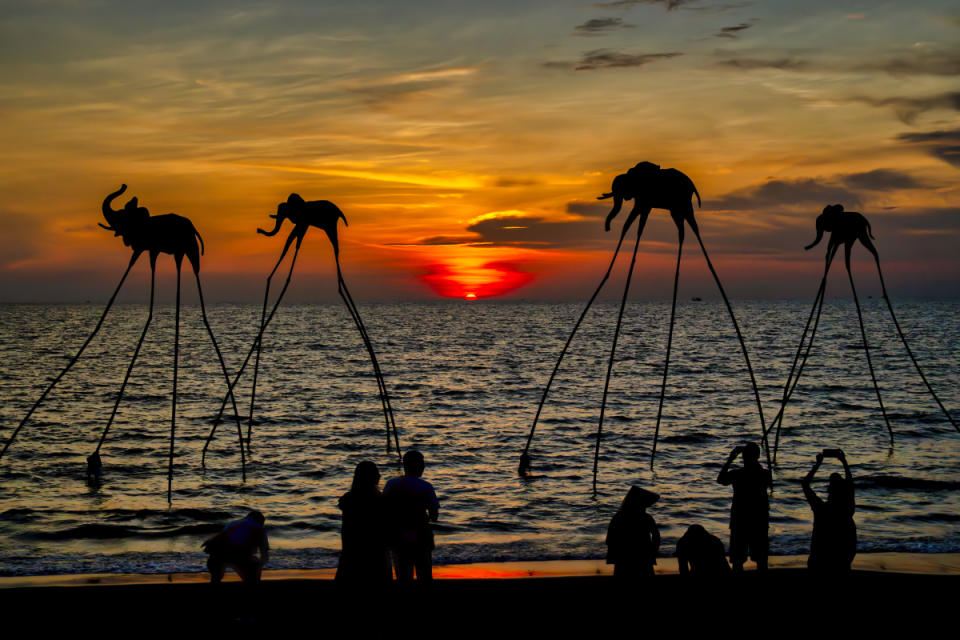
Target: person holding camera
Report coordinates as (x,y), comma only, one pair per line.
(749,510)
(833,544)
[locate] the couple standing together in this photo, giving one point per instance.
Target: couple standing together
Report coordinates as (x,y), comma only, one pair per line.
(395,522)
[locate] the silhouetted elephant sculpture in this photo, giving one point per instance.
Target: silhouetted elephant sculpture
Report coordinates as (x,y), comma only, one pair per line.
(168,233)
(650,187)
(845,228)
(324,215)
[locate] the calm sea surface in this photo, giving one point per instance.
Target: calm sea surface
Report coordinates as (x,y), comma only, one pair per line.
(465,380)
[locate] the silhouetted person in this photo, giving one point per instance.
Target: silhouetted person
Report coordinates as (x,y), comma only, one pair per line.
(701,553)
(750,510)
(411,505)
(833,544)
(242,545)
(633,537)
(363,558)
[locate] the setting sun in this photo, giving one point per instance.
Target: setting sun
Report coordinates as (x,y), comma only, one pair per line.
(470,296)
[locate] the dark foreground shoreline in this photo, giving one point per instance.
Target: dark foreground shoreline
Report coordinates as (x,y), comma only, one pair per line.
(788,600)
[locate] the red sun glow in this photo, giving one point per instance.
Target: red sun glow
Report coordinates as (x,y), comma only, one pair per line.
(470,282)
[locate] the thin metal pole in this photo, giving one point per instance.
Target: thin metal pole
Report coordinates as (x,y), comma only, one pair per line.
(666,363)
(866,348)
(72,360)
(173,412)
(226,376)
(246,360)
(883,286)
(613,351)
(133,361)
(344,292)
(792,381)
(563,352)
(743,346)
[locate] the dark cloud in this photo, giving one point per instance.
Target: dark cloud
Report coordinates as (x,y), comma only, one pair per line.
(778,193)
(600,26)
(437,240)
(882,180)
(734,31)
(943,144)
(609,59)
(516,182)
(907,109)
(588,209)
(906,63)
(912,63)
(749,64)
(620,4)
(536,233)
(671,5)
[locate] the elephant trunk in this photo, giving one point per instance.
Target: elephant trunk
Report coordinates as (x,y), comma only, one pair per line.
(109,213)
(819,235)
(617,203)
(276,229)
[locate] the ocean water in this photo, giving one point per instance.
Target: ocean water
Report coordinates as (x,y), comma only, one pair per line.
(465,380)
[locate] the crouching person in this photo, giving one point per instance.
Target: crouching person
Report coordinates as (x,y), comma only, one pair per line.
(241,545)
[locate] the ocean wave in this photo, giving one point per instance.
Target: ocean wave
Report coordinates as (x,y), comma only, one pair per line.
(905,483)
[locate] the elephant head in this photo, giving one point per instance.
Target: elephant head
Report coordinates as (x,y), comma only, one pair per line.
(126,220)
(628,186)
(826,222)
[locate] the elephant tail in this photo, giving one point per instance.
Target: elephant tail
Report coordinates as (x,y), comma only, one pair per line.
(869,229)
(699,204)
(200,239)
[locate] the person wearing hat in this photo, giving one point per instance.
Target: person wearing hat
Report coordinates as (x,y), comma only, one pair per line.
(633,538)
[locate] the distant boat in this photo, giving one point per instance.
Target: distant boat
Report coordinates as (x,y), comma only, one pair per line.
(696,299)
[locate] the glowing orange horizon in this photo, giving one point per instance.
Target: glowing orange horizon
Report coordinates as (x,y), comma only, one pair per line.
(474,282)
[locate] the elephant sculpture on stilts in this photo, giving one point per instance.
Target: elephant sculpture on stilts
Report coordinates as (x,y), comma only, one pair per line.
(650,187)
(845,228)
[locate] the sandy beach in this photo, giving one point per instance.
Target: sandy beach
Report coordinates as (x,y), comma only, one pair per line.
(901,588)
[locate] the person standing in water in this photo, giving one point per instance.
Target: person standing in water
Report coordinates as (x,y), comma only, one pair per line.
(833,544)
(632,537)
(363,556)
(750,509)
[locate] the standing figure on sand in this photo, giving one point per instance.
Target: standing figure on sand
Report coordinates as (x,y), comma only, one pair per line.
(364,558)
(324,215)
(142,232)
(411,505)
(845,228)
(750,509)
(650,187)
(833,544)
(633,538)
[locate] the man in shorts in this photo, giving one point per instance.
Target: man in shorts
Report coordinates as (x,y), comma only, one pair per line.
(750,510)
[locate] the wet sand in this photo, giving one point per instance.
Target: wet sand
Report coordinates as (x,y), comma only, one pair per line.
(884,589)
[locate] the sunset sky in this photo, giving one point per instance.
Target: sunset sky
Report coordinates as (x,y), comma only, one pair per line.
(466,142)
